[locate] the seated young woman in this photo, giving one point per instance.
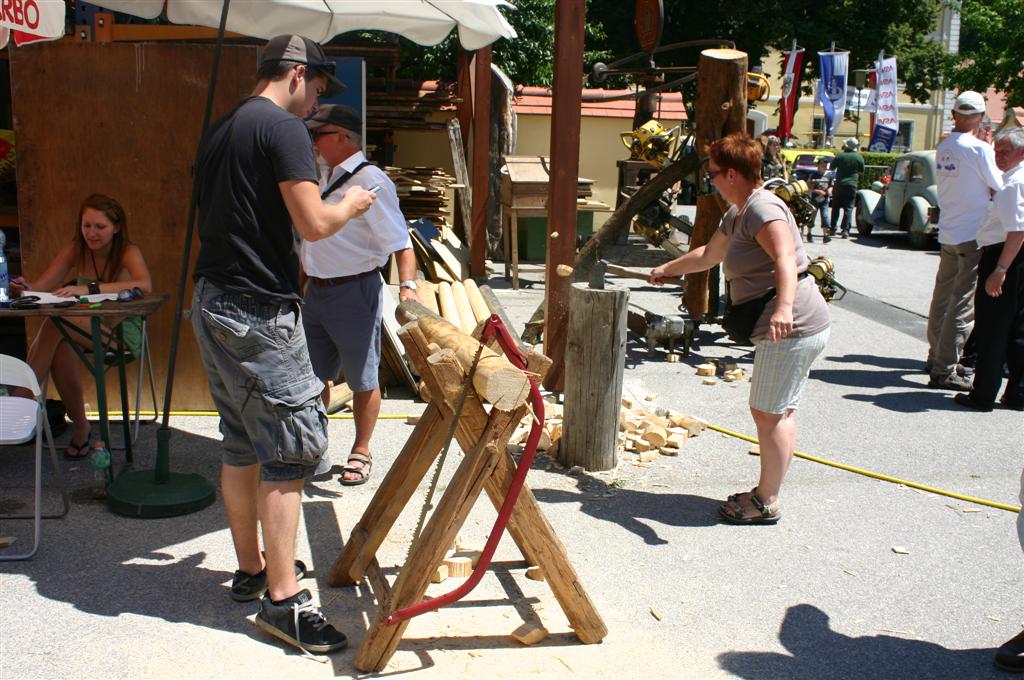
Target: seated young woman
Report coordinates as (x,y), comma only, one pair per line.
(100,258)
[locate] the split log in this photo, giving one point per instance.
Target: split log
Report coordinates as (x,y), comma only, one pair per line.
(496,380)
(427,293)
(446,303)
(467,320)
(476,301)
(341,394)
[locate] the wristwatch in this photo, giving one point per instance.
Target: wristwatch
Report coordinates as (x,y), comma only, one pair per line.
(1001,269)
(410,284)
(94,287)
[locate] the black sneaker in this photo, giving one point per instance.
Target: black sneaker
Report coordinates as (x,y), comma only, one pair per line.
(248,587)
(299,622)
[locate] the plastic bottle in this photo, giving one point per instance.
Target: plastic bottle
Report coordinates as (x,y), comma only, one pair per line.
(100,461)
(3,269)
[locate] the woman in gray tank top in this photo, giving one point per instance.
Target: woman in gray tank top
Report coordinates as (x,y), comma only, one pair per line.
(759,242)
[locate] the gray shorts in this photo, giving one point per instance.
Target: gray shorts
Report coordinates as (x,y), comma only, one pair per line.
(781,369)
(261,381)
(342,323)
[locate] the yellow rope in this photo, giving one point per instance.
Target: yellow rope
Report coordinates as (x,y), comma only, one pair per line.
(716,428)
(878,475)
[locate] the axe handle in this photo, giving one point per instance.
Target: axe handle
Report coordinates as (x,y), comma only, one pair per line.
(626,273)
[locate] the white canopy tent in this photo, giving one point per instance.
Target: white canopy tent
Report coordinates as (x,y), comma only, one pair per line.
(426,22)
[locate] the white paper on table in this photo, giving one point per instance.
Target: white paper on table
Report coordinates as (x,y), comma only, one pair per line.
(51,299)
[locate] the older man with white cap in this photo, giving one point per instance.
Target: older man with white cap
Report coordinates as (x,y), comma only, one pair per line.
(848,165)
(967,176)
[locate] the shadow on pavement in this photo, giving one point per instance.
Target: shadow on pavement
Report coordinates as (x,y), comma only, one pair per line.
(816,651)
(894,240)
(628,508)
(918,401)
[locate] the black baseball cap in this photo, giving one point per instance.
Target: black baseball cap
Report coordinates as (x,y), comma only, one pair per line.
(300,50)
(338,115)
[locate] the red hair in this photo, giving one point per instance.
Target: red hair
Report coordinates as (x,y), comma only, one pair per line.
(738,152)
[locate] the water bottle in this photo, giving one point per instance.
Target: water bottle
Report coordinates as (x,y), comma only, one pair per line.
(100,461)
(3,269)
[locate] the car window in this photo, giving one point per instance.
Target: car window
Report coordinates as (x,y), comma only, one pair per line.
(916,171)
(901,170)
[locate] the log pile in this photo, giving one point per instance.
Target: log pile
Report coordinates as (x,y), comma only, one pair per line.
(406,104)
(460,302)
(648,432)
(422,192)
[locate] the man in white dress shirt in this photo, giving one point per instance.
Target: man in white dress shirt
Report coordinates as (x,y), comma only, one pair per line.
(967,176)
(342,304)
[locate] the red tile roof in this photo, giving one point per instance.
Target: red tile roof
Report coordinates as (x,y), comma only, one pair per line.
(537,100)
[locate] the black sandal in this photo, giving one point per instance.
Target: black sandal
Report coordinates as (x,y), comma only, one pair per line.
(734,512)
(81,450)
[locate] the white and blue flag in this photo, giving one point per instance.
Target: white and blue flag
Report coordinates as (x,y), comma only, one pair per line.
(833,67)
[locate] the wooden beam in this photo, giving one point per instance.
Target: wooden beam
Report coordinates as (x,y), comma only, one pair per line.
(481,161)
(566,97)
(721,110)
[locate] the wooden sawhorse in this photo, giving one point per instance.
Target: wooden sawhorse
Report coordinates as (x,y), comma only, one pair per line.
(486,465)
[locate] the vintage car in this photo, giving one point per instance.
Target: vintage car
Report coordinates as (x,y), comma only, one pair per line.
(803,162)
(906,203)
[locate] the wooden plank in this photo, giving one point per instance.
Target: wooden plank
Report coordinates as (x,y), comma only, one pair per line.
(123,98)
(462,194)
(390,344)
(456,260)
(565,160)
(481,159)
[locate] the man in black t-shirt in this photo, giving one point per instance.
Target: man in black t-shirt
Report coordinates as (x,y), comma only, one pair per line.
(257,178)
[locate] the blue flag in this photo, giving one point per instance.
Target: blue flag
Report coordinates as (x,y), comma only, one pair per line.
(832,67)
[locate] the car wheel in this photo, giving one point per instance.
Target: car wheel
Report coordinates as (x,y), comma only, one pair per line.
(864,226)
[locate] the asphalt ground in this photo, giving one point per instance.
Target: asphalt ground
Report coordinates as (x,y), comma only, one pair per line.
(861,578)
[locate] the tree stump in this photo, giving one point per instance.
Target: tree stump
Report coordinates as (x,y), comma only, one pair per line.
(594,359)
(721,110)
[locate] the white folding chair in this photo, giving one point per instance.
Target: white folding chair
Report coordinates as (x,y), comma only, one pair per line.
(21,419)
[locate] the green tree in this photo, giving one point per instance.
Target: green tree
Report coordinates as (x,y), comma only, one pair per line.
(991,48)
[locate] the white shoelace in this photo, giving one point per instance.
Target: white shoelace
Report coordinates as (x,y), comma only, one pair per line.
(309,611)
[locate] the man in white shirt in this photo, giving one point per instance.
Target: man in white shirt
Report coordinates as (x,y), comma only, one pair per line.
(342,303)
(967,176)
(999,301)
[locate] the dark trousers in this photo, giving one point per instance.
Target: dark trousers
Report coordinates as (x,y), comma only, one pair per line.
(999,330)
(843,197)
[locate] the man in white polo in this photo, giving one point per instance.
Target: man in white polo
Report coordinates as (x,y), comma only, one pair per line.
(967,176)
(342,303)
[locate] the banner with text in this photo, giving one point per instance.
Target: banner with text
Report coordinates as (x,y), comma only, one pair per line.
(833,67)
(887,117)
(790,97)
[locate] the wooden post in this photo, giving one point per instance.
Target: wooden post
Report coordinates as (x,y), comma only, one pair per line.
(596,352)
(566,97)
(721,110)
(481,159)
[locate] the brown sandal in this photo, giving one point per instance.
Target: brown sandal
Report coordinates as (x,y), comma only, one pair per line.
(734,511)
(363,471)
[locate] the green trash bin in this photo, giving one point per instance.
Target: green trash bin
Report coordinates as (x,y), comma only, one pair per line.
(533,234)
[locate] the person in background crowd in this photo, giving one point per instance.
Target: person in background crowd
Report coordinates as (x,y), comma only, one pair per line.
(257,180)
(99,259)
(848,165)
(759,241)
(966,174)
(820,182)
(342,304)
(772,163)
(999,298)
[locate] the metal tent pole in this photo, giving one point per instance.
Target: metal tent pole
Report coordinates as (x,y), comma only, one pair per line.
(159,492)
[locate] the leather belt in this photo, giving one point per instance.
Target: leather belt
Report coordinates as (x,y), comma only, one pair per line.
(341,279)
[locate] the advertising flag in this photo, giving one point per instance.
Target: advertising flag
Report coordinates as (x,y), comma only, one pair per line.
(833,67)
(887,117)
(790,91)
